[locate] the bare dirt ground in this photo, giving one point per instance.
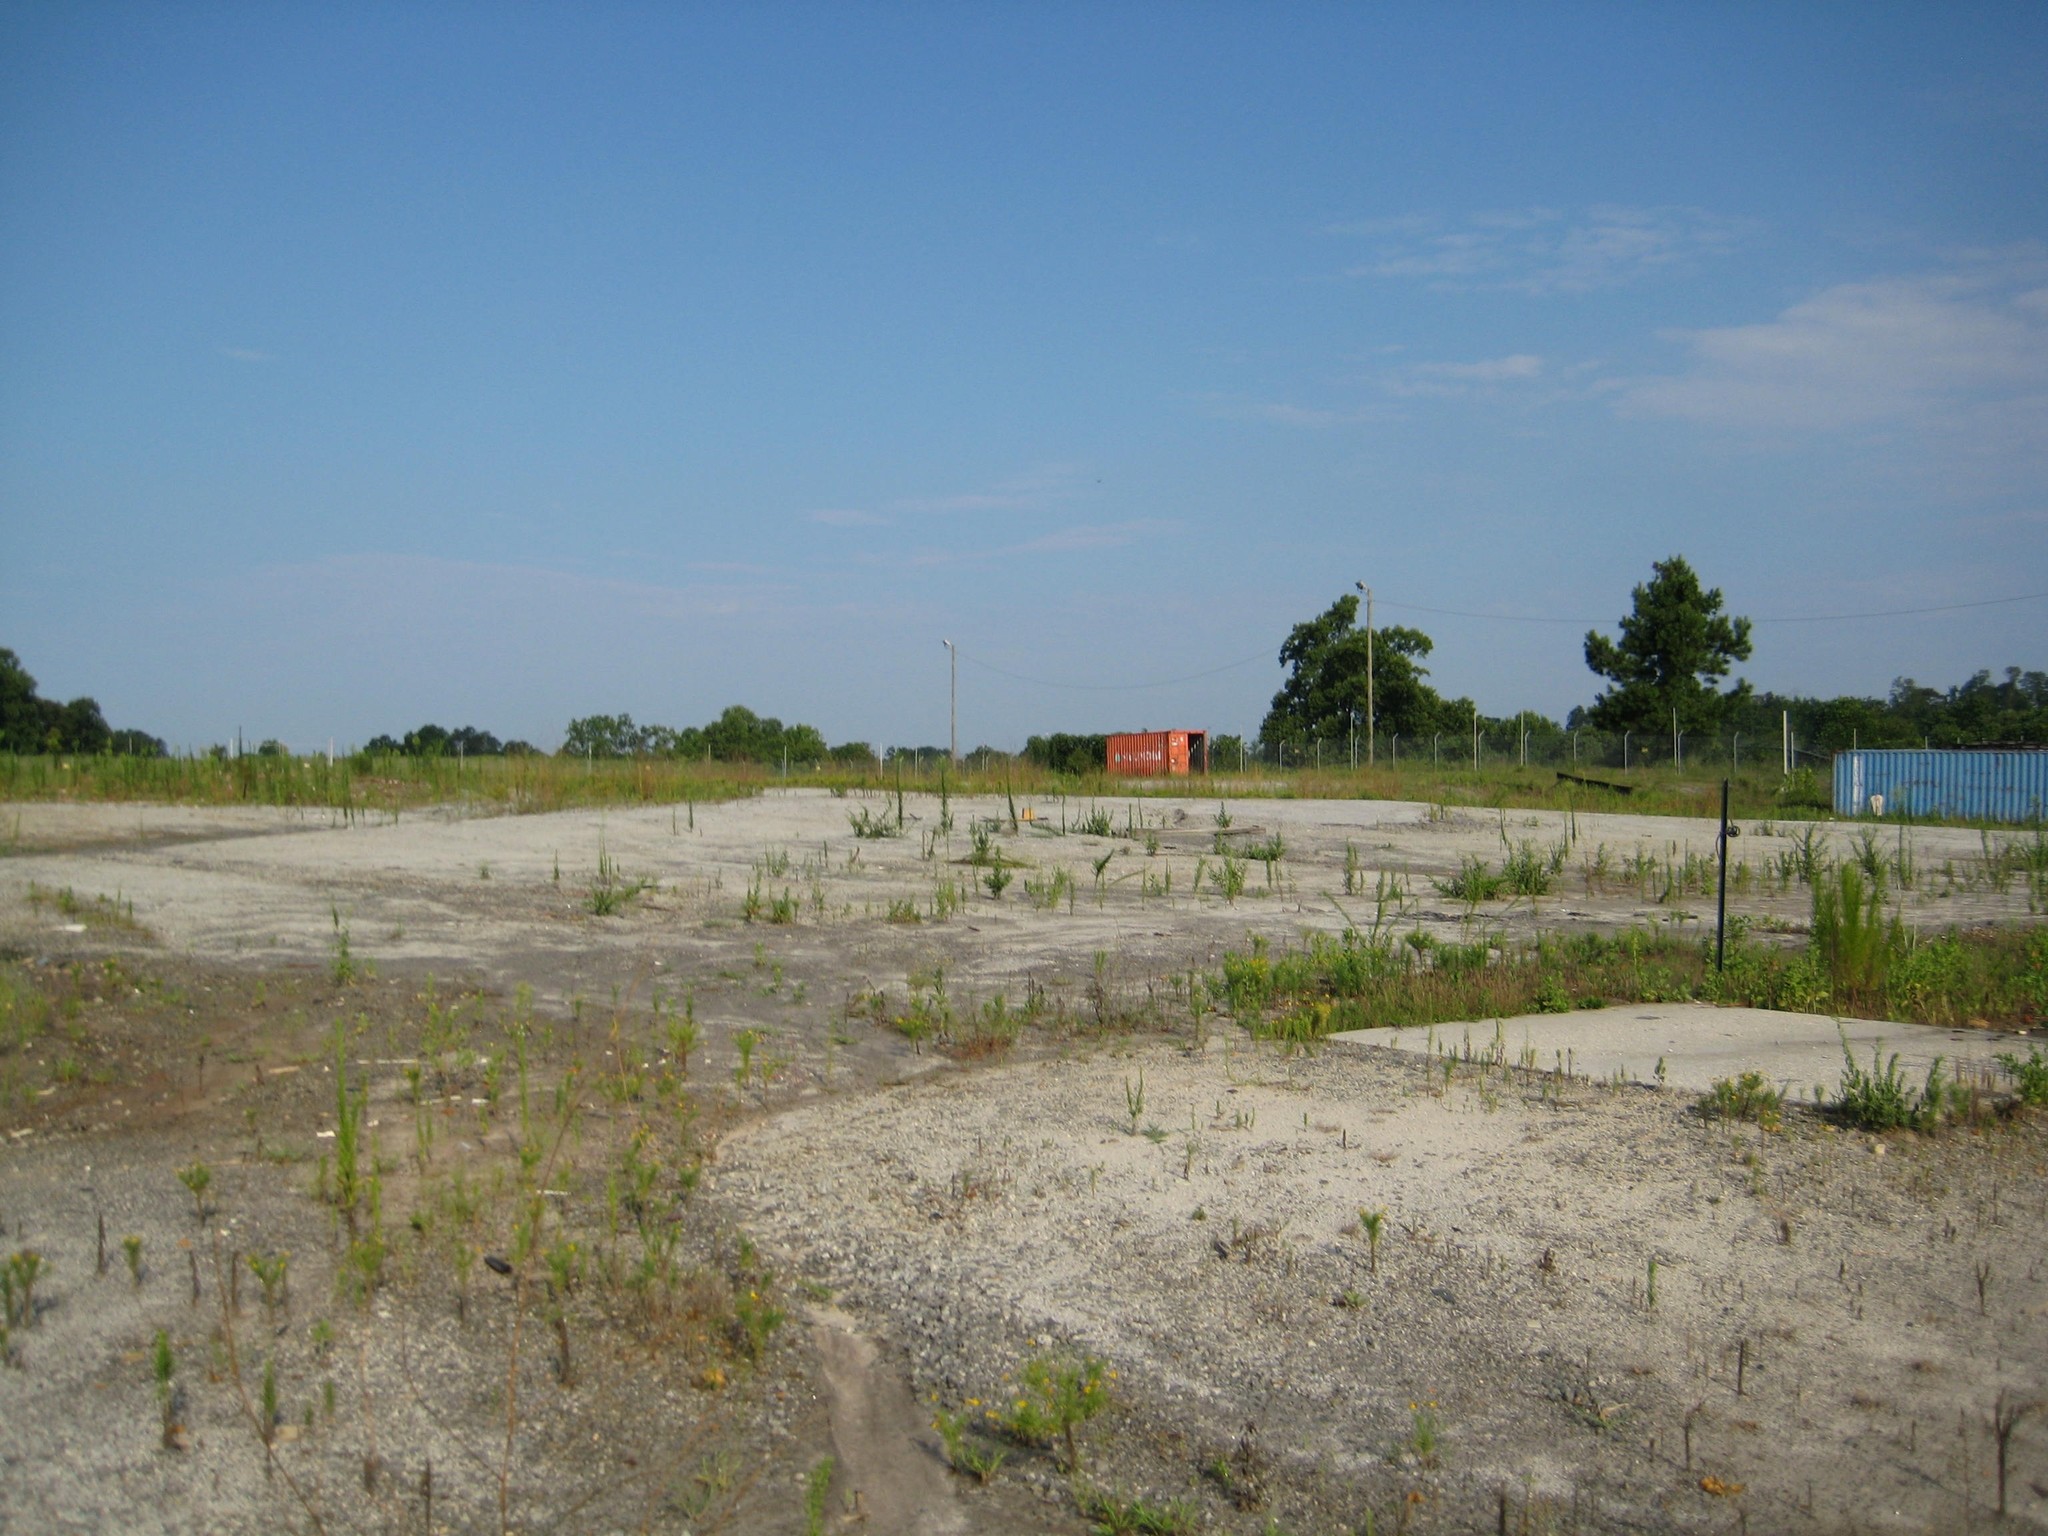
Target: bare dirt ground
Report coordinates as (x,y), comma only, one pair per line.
(1587,1307)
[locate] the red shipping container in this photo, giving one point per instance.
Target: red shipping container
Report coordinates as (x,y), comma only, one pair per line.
(1158,754)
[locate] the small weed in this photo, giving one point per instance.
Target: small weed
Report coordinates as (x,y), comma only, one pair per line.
(2029,1077)
(817,1489)
(269,1269)
(1114,1515)
(18,1278)
(1748,1097)
(1425,1433)
(1472,882)
(965,1454)
(197,1179)
(755,1319)
(1054,1396)
(164,1365)
(1373,1225)
(866,824)
(342,965)
(611,891)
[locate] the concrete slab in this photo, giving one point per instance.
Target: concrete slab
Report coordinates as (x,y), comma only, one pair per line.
(1698,1043)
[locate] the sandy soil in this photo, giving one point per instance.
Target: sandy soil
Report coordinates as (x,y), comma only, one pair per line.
(928,1224)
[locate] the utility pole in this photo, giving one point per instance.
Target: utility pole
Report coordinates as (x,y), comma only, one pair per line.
(953,707)
(1368,672)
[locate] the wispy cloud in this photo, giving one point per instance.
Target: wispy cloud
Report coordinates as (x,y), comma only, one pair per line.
(1285,413)
(1493,370)
(1060,541)
(1041,487)
(1965,345)
(1542,250)
(1489,375)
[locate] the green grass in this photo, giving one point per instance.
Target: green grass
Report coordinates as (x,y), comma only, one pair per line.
(363,783)
(1989,975)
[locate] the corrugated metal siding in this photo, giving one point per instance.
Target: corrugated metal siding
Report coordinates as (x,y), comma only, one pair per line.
(1141,754)
(1971,786)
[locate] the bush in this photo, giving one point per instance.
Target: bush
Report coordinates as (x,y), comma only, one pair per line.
(2029,1077)
(1055,1396)
(1472,882)
(1748,1097)
(1879,1100)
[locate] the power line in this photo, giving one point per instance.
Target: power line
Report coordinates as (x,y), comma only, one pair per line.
(1466,613)
(1806,618)
(1168,682)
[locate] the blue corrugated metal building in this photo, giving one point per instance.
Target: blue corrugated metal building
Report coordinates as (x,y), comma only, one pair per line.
(1995,784)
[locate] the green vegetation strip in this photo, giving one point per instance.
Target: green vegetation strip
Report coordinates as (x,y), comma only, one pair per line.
(1985,976)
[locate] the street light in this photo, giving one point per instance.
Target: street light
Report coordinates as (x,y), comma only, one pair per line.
(1368,671)
(953,706)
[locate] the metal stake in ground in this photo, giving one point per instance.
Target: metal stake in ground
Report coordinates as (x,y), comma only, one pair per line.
(1721,904)
(953,706)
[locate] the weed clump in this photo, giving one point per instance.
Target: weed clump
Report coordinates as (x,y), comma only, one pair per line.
(2029,1077)
(1748,1097)
(1878,1098)
(1054,1396)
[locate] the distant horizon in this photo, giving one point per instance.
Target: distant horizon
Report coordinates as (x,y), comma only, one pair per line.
(360,369)
(552,744)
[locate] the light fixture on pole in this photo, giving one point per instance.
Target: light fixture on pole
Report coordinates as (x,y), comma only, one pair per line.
(1368,671)
(953,706)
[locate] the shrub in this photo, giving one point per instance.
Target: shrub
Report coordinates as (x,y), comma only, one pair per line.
(1879,1100)
(1472,882)
(2029,1077)
(1850,936)
(1748,1097)
(1056,1395)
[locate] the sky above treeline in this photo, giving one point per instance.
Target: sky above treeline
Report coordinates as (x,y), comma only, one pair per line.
(369,365)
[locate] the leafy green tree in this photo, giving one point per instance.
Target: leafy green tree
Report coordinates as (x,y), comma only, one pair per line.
(80,727)
(31,723)
(1064,752)
(1675,644)
(604,736)
(1325,691)
(739,735)
(428,740)
(804,744)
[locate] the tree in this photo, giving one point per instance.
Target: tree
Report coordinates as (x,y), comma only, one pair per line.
(1675,644)
(604,736)
(21,718)
(1067,752)
(1325,692)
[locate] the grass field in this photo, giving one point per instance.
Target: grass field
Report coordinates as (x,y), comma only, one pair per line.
(530,784)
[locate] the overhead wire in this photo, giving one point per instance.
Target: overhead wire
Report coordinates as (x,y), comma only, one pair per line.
(1466,613)
(1803,618)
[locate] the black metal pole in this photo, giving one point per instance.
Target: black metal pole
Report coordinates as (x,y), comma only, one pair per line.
(1721,905)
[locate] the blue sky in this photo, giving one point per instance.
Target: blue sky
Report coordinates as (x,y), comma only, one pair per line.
(362,366)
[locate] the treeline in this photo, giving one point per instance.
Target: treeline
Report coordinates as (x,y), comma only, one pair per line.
(30,723)
(1976,713)
(438,741)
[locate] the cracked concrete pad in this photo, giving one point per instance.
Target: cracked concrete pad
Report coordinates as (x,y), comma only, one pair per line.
(1698,1043)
